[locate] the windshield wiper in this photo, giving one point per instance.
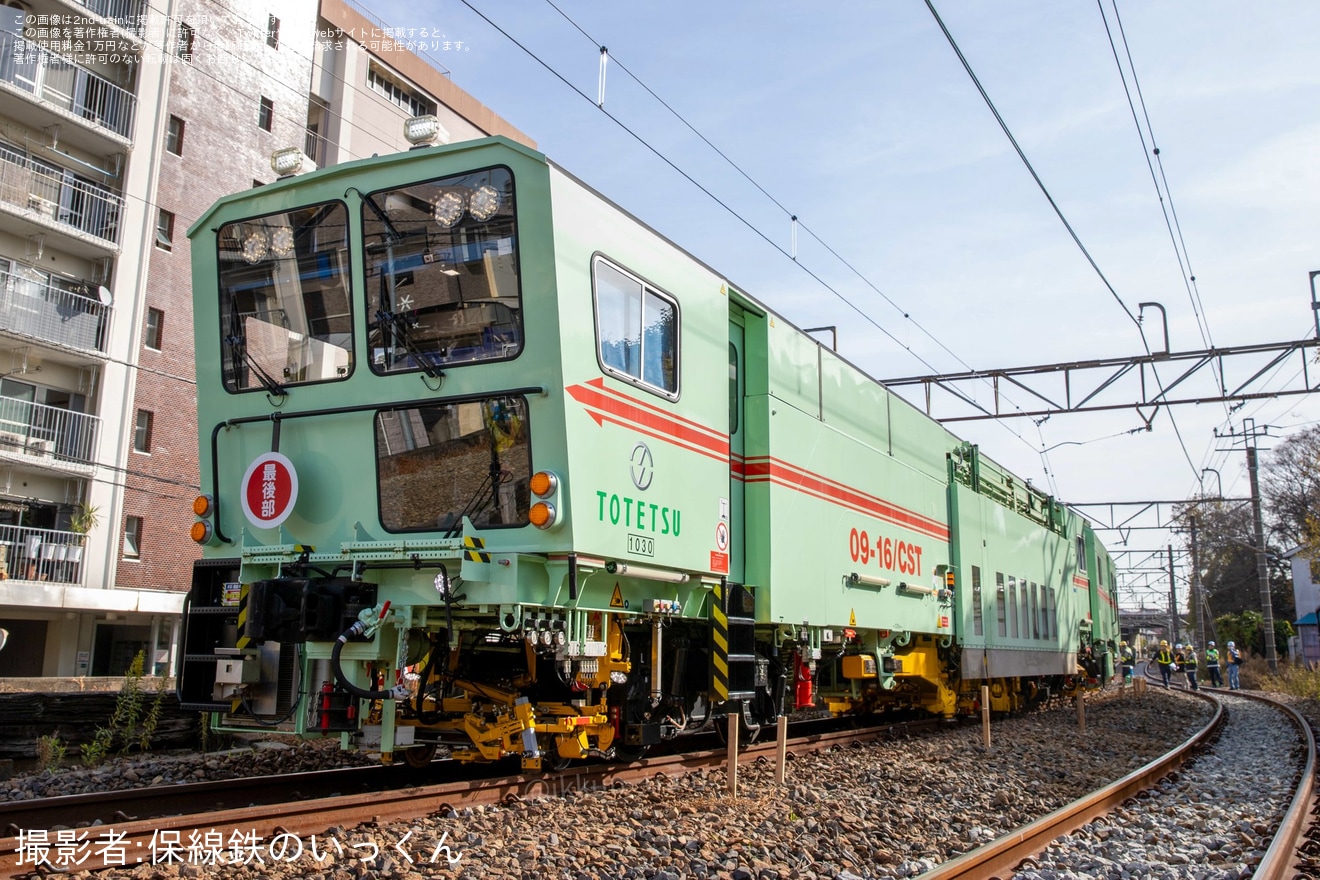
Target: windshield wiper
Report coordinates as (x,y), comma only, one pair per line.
(239,345)
(482,500)
(398,326)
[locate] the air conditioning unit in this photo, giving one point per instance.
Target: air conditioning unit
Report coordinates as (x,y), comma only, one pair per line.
(40,447)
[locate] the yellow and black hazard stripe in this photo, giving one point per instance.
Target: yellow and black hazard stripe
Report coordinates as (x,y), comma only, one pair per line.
(243,640)
(719,643)
(474,550)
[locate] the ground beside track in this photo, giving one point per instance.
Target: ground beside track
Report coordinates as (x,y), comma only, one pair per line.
(891,809)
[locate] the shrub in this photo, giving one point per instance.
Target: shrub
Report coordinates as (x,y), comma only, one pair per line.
(129,727)
(50,752)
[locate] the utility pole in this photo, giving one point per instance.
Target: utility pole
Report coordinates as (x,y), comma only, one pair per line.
(1201,632)
(1249,435)
(1266,605)
(1173,600)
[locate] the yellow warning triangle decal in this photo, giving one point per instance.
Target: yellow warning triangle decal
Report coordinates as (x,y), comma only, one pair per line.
(852,617)
(616,601)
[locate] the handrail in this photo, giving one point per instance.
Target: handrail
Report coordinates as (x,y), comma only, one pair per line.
(46,190)
(57,81)
(52,314)
(38,429)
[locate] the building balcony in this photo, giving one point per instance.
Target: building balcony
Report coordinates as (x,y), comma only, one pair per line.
(52,315)
(47,437)
(29,554)
(85,214)
(127,14)
(81,95)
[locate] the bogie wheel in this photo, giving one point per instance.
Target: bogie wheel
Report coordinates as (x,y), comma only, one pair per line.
(556,763)
(420,757)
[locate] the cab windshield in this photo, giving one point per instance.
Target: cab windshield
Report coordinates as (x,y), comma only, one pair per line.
(442,273)
(286,316)
(436,465)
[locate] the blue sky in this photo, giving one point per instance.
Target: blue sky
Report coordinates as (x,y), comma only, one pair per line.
(859,118)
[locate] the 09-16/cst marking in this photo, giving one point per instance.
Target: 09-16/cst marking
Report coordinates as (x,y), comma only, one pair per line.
(888,553)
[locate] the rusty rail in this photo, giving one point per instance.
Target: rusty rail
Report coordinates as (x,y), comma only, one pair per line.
(1278,860)
(1001,856)
(313,816)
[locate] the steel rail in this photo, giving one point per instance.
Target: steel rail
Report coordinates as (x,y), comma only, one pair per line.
(1003,854)
(1277,863)
(314,816)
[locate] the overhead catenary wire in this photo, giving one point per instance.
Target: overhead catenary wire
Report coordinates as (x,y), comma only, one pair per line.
(1197,305)
(985,96)
(690,179)
(795,221)
(1164,194)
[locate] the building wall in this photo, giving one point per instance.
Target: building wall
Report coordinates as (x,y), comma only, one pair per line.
(360,122)
(224,150)
(217,94)
(1306,593)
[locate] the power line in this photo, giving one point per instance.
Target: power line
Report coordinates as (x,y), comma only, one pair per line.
(1030,168)
(1059,213)
(735,214)
(1198,307)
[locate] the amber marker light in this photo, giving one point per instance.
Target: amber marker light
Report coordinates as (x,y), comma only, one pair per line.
(543,483)
(201,532)
(542,515)
(202,505)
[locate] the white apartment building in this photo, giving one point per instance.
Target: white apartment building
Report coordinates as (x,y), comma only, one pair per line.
(120,122)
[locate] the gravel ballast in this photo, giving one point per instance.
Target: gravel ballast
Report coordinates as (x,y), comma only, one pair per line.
(888,809)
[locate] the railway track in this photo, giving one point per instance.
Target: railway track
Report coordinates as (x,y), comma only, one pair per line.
(1019,854)
(1027,852)
(145,824)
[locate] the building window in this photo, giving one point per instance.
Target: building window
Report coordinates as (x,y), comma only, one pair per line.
(184,47)
(174,136)
(164,230)
(397,93)
(132,537)
(273,32)
(155,326)
(142,431)
(266,116)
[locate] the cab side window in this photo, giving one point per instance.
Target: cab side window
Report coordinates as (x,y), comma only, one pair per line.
(636,329)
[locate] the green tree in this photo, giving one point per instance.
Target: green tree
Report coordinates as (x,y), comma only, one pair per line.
(1247,630)
(1226,556)
(1290,488)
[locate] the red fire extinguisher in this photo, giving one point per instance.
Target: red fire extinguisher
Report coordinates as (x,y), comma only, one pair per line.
(327,690)
(803,696)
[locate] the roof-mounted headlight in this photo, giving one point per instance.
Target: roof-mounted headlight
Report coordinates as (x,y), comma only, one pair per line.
(289,161)
(423,131)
